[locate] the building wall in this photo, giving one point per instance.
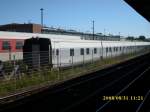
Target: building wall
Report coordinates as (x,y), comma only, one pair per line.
(30,28)
(36,28)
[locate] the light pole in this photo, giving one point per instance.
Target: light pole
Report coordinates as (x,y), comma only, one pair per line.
(42,16)
(93,28)
(104,34)
(119,36)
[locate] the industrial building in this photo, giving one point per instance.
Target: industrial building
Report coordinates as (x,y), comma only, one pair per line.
(15,27)
(37,28)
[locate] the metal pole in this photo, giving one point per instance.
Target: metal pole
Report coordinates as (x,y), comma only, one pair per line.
(9,53)
(92,56)
(42,16)
(104,34)
(101,50)
(72,63)
(119,35)
(93,29)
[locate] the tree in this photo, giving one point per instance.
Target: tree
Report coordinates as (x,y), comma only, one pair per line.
(142,37)
(130,38)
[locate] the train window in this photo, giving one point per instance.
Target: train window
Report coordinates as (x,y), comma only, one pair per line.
(71,52)
(95,50)
(57,52)
(106,49)
(109,49)
(82,51)
(53,51)
(19,45)
(123,48)
(87,51)
(6,45)
(116,49)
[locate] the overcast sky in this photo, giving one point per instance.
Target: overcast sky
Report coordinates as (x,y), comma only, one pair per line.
(112,15)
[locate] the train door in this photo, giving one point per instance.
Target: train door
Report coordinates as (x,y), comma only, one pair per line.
(37,52)
(36,55)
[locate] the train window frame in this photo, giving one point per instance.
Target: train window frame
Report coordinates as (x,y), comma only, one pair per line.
(87,51)
(19,47)
(95,50)
(71,52)
(82,51)
(4,46)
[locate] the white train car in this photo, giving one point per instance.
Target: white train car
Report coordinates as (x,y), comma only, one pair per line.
(65,50)
(61,53)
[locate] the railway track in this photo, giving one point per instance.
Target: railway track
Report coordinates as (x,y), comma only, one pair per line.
(87,91)
(115,88)
(136,94)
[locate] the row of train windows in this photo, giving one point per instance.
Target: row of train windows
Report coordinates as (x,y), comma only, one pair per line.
(6,45)
(108,49)
(81,51)
(116,49)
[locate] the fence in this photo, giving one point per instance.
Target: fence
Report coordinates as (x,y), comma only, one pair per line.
(36,69)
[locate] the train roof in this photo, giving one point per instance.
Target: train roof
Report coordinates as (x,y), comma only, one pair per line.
(67,40)
(93,43)
(20,35)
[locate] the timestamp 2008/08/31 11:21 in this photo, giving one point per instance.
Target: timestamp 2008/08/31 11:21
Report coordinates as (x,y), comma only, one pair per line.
(122,98)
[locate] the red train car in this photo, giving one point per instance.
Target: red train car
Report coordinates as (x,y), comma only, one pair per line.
(11,49)
(11,43)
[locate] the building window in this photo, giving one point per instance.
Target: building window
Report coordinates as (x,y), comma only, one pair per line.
(95,50)
(57,52)
(19,45)
(6,45)
(82,51)
(87,51)
(71,52)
